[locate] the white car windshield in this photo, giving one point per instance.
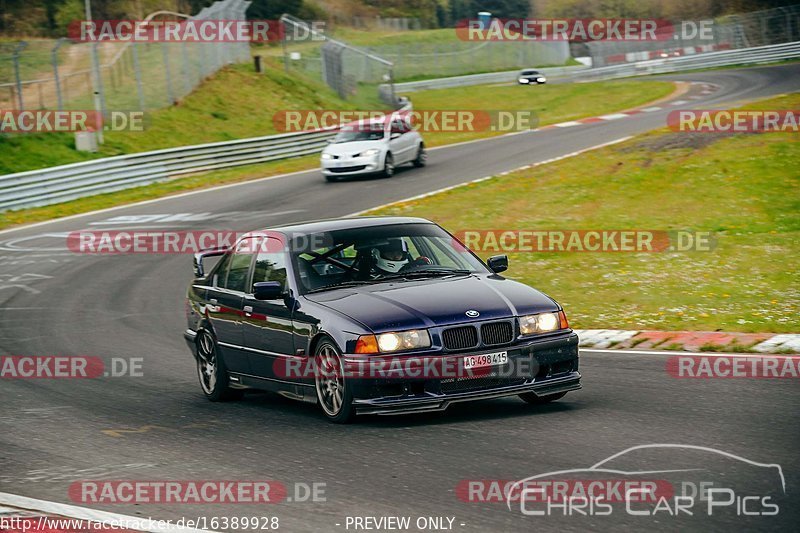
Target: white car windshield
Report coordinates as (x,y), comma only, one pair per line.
(359,133)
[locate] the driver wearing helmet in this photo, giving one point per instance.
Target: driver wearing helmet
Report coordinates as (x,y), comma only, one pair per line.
(390,258)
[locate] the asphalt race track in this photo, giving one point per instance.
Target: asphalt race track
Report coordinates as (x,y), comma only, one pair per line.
(56,432)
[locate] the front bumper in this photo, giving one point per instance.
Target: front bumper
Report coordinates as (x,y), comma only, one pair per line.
(552,369)
(351,167)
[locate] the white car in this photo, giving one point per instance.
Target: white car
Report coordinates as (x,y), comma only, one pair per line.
(374,146)
(531,77)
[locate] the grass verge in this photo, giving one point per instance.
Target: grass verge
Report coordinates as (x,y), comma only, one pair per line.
(745,189)
(548,103)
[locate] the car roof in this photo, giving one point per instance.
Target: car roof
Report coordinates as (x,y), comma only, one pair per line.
(333,224)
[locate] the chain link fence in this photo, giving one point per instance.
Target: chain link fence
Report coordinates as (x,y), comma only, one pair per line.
(354,73)
(58,74)
(758,28)
(436,60)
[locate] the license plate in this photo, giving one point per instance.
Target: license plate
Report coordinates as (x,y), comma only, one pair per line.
(486,359)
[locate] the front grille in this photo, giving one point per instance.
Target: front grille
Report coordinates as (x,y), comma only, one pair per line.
(497,333)
(348,169)
(460,338)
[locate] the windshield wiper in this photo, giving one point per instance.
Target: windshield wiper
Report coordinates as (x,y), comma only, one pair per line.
(341,285)
(427,272)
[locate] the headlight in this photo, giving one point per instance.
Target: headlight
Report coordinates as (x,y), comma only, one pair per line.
(393,342)
(326,156)
(371,151)
(542,323)
(523,80)
(542,79)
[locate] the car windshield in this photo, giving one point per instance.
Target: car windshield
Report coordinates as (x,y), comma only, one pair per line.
(530,72)
(371,132)
(376,254)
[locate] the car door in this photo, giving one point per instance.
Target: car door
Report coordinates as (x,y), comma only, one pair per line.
(267,324)
(224,305)
(400,145)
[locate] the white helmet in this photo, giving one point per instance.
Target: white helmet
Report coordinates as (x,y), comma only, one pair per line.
(391,257)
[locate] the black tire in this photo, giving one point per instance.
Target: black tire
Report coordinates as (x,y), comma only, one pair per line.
(388,166)
(532,399)
(422,157)
(334,396)
(211,370)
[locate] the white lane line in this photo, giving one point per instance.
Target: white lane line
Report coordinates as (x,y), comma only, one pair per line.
(651,109)
(678,352)
(614,116)
(567,124)
(679,102)
(83,513)
(154,200)
(443,189)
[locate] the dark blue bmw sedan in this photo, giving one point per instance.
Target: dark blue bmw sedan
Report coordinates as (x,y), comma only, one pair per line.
(379,315)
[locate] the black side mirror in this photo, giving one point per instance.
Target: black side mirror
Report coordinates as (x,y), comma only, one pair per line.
(498,263)
(267,290)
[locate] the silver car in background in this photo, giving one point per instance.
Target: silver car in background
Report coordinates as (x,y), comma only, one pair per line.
(375,146)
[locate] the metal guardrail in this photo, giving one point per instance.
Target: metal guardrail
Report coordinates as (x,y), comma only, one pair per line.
(68,182)
(745,56)
(762,54)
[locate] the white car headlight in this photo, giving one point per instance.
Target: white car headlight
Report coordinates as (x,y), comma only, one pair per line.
(542,323)
(326,156)
(523,80)
(371,151)
(404,340)
(542,79)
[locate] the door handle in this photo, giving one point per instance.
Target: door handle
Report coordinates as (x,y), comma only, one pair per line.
(248,310)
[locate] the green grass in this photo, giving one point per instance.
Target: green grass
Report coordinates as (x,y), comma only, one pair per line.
(377,37)
(236,103)
(549,103)
(743,188)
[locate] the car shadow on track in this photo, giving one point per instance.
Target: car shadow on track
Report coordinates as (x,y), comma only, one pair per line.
(398,173)
(503,408)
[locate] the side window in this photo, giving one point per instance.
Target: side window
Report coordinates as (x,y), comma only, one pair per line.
(221,271)
(270,266)
(239,268)
(399,126)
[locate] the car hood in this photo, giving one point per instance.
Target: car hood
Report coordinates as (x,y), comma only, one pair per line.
(351,148)
(434,302)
